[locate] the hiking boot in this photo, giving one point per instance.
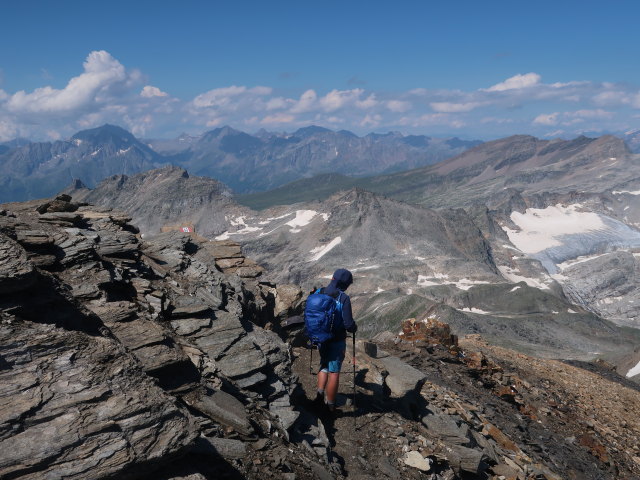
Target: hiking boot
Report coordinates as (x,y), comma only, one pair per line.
(319,400)
(331,407)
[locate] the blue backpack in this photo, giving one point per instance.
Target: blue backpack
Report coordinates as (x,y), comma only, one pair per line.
(322,317)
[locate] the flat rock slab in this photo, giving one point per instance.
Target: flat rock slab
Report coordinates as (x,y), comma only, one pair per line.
(465,459)
(242,359)
(114,312)
(138,333)
(190,310)
(33,238)
(416,460)
(225,409)
(287,416)
(225,330)
(75,407)
(61,218)
(402,378)
(121,243)
(225,447)
(224,249)
(188,326)
(446,428)
(157,357)
(251,380)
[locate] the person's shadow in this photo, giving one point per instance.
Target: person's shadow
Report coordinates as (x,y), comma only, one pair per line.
(356,405)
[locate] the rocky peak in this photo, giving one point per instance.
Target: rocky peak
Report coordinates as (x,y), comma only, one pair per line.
(105,134)
(309,131)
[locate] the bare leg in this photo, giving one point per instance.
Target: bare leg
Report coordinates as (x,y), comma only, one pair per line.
(332,386)
(322,380)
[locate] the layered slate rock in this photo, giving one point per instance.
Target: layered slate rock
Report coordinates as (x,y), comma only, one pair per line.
(72,406)
(119,357)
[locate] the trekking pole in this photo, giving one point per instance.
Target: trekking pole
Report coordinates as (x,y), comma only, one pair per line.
(354,379)
(311,360)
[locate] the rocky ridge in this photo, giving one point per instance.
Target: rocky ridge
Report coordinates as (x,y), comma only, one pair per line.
(164,196)
(121,356)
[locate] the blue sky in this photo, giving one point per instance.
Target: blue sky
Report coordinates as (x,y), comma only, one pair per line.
(467,68)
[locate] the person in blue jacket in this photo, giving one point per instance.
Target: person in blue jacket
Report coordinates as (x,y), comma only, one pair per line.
(332,352)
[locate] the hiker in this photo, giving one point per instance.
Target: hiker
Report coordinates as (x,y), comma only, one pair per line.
(332,351)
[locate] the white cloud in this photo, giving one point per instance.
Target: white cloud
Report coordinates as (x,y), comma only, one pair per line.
(398,106)
(336,99)
(277,103)
(149,91)
(611,98)
(335,120)
(219,97)
(8,130)
(516,82)
(278,119)
(547,119)
(432,119)
(367,103)
(106,91)
(101,71)
(306,102)
(572,118)
(599,113)
(448,107)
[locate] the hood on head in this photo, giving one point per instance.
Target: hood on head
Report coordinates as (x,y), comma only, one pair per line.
(342,278)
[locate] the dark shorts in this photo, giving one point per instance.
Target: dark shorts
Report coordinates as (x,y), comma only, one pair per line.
(332,356)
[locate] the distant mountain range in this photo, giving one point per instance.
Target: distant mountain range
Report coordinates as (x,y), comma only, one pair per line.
(244,162)
(267,160)
(519,163)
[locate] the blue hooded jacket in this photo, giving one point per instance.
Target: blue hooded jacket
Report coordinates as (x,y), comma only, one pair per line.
(341,280)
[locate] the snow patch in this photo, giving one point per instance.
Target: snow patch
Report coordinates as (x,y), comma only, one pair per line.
(514,288)
(541,228)
(424,282)
(634,371)
(511,274)
(620,192)
(238,222)
(462,284)
(320,252)
(303,218)
(359,269)
(466,284)
(584,258)
(475,310)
